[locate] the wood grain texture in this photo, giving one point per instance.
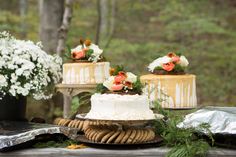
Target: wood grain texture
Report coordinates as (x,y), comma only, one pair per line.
(89,152)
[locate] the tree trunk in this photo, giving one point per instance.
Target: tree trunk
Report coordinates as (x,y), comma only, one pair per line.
(23,11)
(111,22)
(112,17)
(51,12)
(102,20)
(65,26)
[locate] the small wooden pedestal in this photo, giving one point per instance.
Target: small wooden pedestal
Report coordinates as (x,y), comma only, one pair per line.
(70,90)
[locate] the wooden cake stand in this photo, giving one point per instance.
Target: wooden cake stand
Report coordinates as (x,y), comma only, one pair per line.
(71,90)
(113,132)
(118,132)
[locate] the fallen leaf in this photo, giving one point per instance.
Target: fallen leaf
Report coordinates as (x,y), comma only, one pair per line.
(75,146)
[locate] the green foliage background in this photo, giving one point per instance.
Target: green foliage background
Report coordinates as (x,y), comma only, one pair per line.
(203,30)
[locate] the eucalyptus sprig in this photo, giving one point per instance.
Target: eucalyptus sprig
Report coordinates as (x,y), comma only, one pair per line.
(184,142)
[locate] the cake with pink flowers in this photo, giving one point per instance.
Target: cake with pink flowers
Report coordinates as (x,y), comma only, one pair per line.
(87,65)
(169,84)
(119,98)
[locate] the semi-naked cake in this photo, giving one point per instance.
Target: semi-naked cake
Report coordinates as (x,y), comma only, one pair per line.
(85,73)
(87,66)
(119,99)
(169,84)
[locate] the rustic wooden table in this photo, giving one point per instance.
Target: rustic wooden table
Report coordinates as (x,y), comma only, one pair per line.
(89,152)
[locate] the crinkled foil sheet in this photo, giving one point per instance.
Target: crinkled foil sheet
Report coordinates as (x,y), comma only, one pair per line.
(222,120)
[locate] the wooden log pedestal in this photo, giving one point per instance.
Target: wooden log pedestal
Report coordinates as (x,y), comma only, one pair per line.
(71,90)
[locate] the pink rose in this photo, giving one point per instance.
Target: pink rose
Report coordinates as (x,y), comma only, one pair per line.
(168,66)
(117,87)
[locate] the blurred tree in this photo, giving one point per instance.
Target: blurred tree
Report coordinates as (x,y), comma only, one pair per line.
(111,22)
(23,12)
(65,26)
(102,7)
(51,13)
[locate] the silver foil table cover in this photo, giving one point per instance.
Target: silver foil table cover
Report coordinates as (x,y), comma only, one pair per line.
(222,120)
(15,133)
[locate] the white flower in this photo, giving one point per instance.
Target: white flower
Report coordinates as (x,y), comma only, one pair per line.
(3,81)
(159,62)
(12,92)
(109,82)
(28,68)
(78,48)
(19,71)
(13,78)
(131,77)
(183,61)
(96,50)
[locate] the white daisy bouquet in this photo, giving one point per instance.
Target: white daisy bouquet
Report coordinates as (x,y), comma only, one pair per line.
(25,69)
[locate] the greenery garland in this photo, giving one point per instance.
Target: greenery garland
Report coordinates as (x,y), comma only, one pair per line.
(184,142)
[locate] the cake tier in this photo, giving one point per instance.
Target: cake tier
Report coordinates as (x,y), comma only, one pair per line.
(172,91)
(120,107)
(85,73)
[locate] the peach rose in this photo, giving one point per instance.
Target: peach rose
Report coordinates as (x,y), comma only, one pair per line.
(73,54)
(80,54)
(168,66)
(129,85)
(120,77)
(175,59)
(117,87)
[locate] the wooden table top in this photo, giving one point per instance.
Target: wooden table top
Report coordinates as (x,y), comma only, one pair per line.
(95,152)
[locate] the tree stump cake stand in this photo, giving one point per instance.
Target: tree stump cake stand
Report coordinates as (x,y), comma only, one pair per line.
(71,90)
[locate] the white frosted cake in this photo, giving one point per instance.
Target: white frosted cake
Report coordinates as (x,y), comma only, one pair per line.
(120,107)
(85,73)
(86,67)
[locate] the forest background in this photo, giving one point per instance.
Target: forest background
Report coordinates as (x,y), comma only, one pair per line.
(134,33)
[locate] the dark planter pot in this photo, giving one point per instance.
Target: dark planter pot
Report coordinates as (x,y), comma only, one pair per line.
(12,108)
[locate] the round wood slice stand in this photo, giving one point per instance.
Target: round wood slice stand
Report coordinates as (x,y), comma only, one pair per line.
(71,90)
(112,132)
(118,132)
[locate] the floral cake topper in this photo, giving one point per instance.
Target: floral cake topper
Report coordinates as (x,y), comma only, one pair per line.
(86,51)
(169,64)
(121,82)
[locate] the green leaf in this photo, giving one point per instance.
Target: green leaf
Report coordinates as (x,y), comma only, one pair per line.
(183,142)
(137,87)
(89,53)
(118,68)
(158,68)
(178,68)
(100,88)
